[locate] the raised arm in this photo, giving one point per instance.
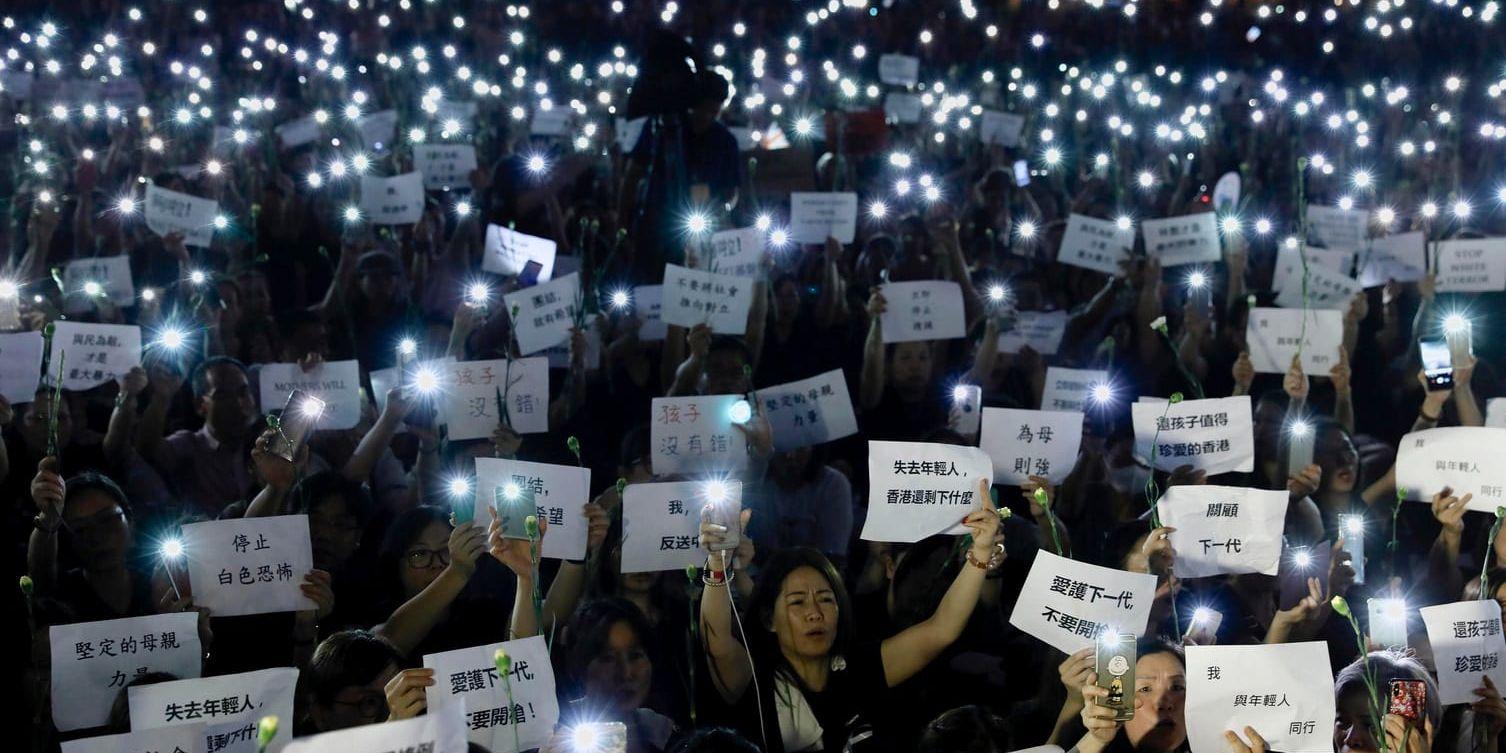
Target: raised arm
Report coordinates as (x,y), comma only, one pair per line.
(871,388)
(688,375)
(411,622)
(910,651)
(150,429)
(731,667)
(123,418)
(47,492)
(377,438)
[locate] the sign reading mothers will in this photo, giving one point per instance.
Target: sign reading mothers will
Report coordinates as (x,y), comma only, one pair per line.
(560,492)
(924,310)
(1274,336)
(694,297)
(20,366)
(229,707)
(1467,647)
(508,252)
(479,396)
(920,489)
(174,212)
(505,713)
(93,661)
(1189,239)
(440,731)
(337,383)
(809,412)
(1067,603)
(444,165)
(398,200)
(249,565)
(1099,245)
(696,434)
(661,523)
(1466,459)
(1025,443)
(1224,529)
(814,217)
(92,354)
(1214,435)
(1284,691)
(1071,389)
(546,313)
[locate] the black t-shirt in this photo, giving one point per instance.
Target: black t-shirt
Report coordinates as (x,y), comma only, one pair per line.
(84,604)
(843,707)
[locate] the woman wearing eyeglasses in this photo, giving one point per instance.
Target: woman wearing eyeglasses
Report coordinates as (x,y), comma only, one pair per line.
(91,514)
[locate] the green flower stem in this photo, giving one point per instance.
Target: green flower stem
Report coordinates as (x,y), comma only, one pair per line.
(504,670)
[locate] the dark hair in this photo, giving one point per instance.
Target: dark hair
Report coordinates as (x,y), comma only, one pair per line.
(1120,542)
(288,322)
(732,343)
(347,658)
(587,632)
(917,570)
(322,485)
(1151,645)
(766,591)
(715,740)
(710,85)
(200,376)
(120,709)
(1388,666)
(400,535)
(967,729)
(97,482)
(635,446)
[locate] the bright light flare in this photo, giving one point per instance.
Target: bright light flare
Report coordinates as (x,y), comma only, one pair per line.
(172,549)
(741,412)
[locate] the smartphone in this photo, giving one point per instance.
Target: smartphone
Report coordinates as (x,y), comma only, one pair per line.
(598,737)
(967,409)
(724,508)
(1388,622)
(1021,173)
(1409,700)
(1300,438)
(529,277)
(463,506)
(1115,664)
(295,424)
(515,503)
(1299,563)
(1437,365)
(1352,527)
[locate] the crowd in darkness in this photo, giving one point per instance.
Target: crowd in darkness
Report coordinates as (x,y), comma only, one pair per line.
(793,632)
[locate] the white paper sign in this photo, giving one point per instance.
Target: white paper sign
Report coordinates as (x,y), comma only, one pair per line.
(902,108)
(1099,245)
(1070,389)
(337,383)
(1467,643)
(648,306)
(113,273)
(249,565)
(502,722)
(1224,529)
(559,492)
(297,132)
(398,200)
(1001,128)
(899,70)
(474,388)
(628,132)
(229,705)
(1273,336)
(441,730)
(738,253)
(92,661)
(1025,443)
(552,122)
(186,739)
(93,354)
(20,366)
(923,310)
(1067,603)
(695,435)
(692,297)
(1214,435)
(1041,330)
(1284,691)
(1325,289)
(508,251)
(1189,239)
(173,212)
(445,165)
(920,489)
(378,129)
(1495,409)
(16,84)
(809,412)
(1226,193)
(815,216)
(1466,459)
(1289,264)
(546,313)
(1331,227)
(1472,266)
(1402,257)
(661,523)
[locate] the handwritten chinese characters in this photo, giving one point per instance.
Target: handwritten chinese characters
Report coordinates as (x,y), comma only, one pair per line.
(695,434)
(92,661)
(506,713)
(1068,603)
(918,489)
(249,565)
